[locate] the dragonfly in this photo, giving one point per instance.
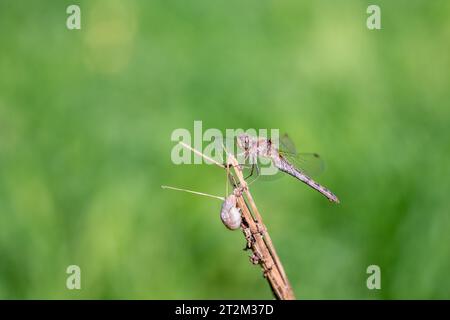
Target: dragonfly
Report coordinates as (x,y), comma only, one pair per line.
(290,163)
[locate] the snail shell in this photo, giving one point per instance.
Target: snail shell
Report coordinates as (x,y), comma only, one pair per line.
(230,214)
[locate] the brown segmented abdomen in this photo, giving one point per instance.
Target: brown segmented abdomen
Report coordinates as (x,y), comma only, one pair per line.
(285,166)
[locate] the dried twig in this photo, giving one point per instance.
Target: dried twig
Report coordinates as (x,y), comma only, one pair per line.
(259,241)
(255,231)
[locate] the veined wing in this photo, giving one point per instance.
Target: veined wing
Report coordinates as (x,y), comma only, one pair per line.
(287,145)
(310,164)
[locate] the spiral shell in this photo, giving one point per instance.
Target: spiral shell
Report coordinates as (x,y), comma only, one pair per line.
(230,214)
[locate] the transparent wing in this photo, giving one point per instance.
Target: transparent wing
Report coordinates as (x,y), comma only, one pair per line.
(309,163)
(287,145)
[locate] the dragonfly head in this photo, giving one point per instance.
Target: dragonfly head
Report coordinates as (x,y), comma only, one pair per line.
(243,141)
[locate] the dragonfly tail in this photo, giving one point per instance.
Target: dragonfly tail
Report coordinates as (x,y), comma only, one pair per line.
(285,166)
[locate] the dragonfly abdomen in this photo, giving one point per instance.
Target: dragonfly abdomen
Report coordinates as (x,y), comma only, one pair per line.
(285,166)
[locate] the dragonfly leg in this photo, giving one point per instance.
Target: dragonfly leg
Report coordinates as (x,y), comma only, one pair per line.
(257,175)
(240,166)
(227,180)
(251,172)
(232,180)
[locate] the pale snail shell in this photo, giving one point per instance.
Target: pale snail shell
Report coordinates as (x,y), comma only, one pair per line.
(230,214)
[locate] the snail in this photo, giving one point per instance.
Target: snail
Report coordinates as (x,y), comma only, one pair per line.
(230,214)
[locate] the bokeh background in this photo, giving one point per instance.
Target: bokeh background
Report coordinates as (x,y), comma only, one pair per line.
(86,118)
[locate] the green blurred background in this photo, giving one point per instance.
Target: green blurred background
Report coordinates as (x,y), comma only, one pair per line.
(85,123)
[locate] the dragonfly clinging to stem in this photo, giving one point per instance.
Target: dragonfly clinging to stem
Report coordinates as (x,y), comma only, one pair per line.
(255,147)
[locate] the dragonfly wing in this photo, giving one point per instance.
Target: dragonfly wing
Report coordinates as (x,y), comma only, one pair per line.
(287,145)
(310,164)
